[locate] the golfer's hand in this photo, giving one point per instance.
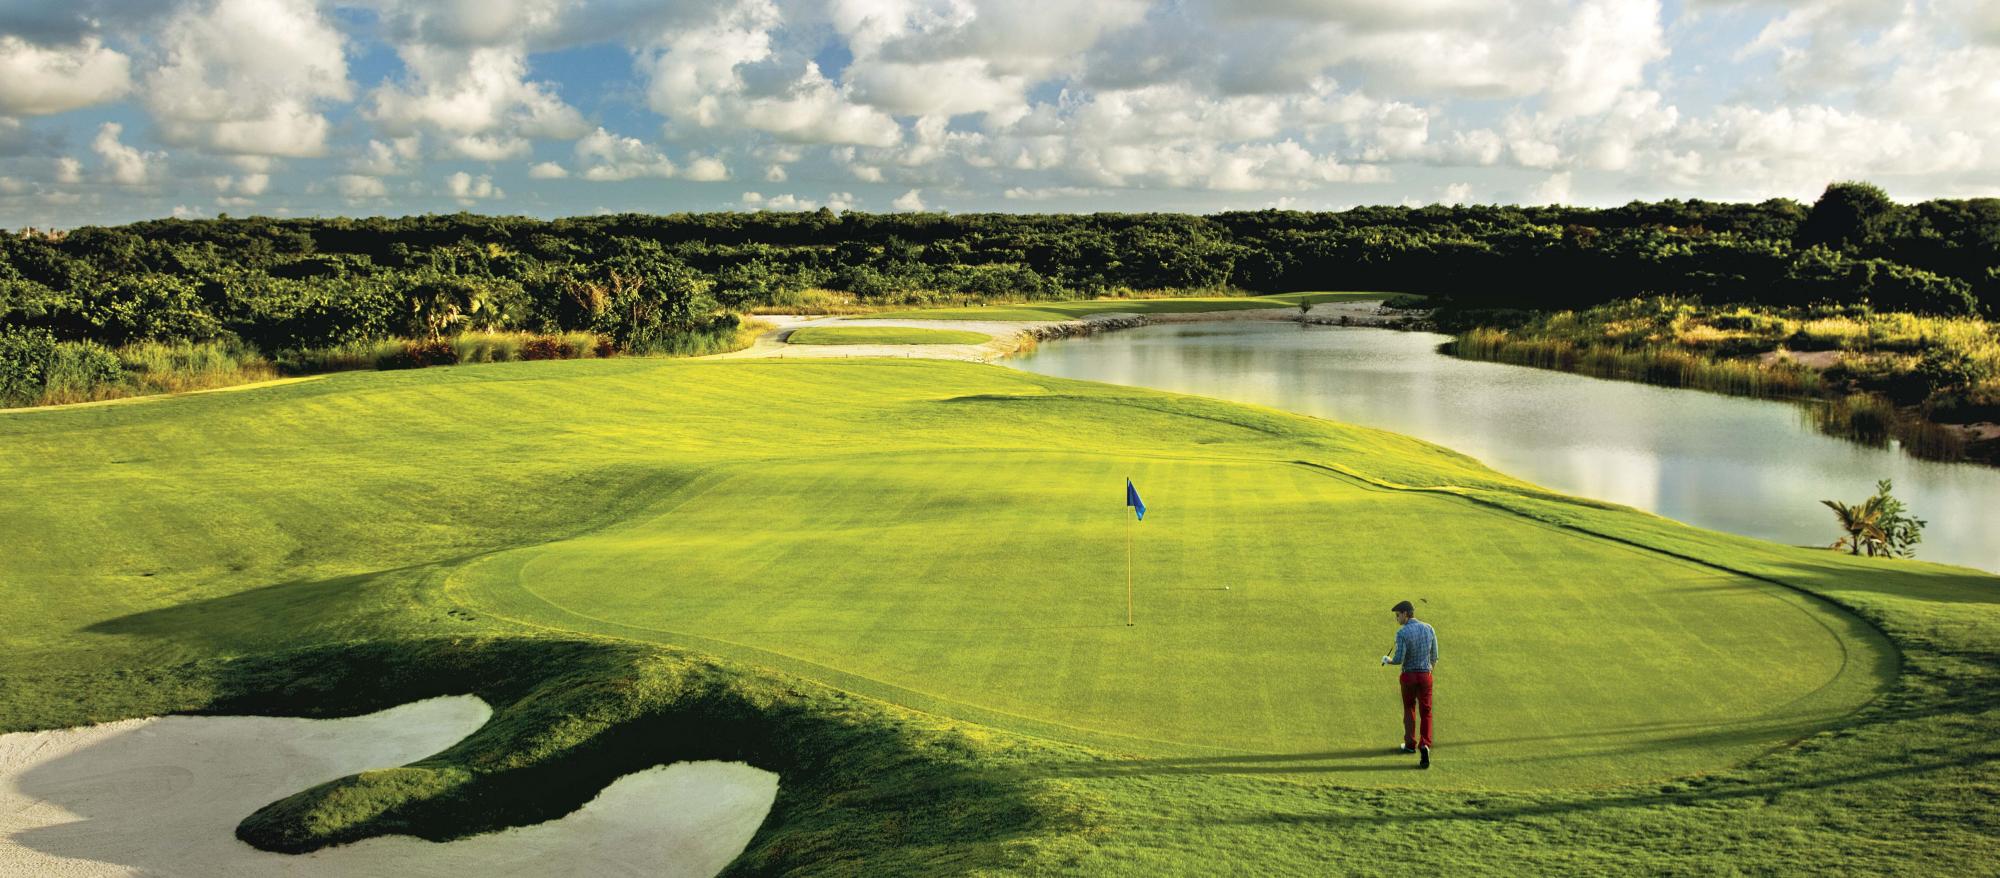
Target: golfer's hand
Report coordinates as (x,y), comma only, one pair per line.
(1385,659)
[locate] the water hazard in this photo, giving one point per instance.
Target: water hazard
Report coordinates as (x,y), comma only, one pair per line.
(1746,466)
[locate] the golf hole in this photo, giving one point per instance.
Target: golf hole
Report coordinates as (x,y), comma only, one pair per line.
(162,796)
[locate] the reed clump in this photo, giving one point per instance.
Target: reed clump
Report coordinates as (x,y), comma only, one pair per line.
(1915,379)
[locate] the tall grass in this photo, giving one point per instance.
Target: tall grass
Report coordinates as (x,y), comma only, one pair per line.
(814,300)
(720,340)
(1669,366)
(157,367)
(88,372)
(349,357)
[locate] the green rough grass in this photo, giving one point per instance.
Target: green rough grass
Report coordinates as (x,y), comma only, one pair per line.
(1072,310)
(898,585)
(844,335)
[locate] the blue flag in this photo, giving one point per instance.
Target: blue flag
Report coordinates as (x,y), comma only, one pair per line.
(1132,500)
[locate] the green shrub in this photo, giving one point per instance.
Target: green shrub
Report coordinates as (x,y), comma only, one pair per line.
(80,371)
(1945,368)
(35,369)
(24,359)
(543,347)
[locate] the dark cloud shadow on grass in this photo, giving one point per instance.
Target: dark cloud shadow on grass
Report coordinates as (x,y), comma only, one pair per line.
(283,614)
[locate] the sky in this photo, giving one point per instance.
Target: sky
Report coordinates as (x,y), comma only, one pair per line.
(118,110)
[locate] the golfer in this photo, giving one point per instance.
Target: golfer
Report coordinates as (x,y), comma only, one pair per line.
(1417,652)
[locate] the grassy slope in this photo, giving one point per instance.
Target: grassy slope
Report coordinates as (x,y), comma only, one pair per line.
(883,335)
(1087,307)
(177,556)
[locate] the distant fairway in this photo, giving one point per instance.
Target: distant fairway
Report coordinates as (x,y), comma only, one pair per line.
(947,541)
(1071,310)
(847,335)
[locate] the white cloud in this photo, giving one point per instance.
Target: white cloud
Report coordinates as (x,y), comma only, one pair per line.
(783,201)
(471,88)
(243,185)
(1048,192)
(705,170)
(1554,190)
(391,158)
(973,56)
(813,110)
(1604,50)
(247,76)
(1170,136)
(1456,193)
(483,23)
(356,187)
(697,79)
(837,201)
(608,157)
(946,87)
(468,189)
(1796,150)
(124,165)
(36,80)
(986,102)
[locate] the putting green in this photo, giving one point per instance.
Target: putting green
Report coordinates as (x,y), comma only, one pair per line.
(991,586)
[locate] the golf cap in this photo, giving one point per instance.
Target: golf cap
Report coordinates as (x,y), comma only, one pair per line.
(1403,607)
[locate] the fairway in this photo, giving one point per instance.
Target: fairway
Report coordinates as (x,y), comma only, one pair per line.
(946,543)
(849,335)
(1073,310)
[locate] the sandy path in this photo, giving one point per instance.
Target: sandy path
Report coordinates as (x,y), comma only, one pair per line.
(1010,336)
(163,796)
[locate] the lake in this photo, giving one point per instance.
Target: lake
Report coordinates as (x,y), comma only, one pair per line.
(1753,467)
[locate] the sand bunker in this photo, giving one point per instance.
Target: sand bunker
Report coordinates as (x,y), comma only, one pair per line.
(163,796)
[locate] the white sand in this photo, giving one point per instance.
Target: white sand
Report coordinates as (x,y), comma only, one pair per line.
(163,796)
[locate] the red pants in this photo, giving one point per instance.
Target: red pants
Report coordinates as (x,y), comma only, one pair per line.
(1416,703)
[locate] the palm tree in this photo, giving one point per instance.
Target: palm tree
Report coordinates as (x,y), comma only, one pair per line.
(1863,524)
(1879,525)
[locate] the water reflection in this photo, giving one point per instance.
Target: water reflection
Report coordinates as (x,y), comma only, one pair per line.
(1740,465)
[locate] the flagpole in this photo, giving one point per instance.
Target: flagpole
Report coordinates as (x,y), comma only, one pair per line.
(1128,572)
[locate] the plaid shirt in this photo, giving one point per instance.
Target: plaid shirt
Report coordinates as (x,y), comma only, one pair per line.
(1416,647)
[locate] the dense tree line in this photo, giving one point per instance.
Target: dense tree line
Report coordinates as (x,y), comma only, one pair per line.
(639,280)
